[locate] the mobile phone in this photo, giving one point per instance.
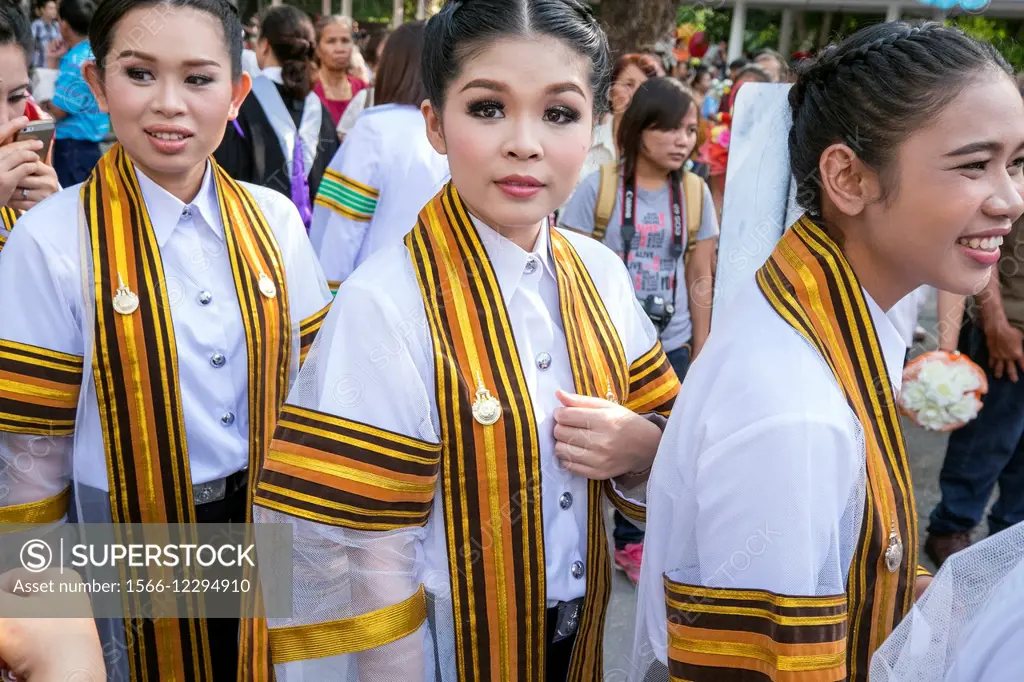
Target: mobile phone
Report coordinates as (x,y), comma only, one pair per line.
(38,130)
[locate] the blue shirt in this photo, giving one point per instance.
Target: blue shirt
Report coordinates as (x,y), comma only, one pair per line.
(84,121)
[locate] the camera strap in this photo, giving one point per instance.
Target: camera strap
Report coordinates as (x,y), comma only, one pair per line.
(628,223)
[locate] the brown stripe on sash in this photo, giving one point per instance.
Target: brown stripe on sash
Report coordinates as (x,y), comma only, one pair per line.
(8,216)
(38,390)
(719,634)
(308,329)
(344,473)
(599,370)
(653,384)
(810,283)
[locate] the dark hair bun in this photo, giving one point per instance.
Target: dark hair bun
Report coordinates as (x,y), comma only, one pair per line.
(464,26)
(293,41)
(873,90)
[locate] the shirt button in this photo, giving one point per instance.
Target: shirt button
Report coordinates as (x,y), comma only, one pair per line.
(186,212)
(531,266)
(543,361)
(218,360)
(577,569)
(565,501)
(205,297)
(228,418)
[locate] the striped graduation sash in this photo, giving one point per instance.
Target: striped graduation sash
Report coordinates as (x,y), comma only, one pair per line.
(491,475)
(810,284)
(8,216)
(135,370)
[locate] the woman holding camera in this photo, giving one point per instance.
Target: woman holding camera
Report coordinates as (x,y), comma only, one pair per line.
(662,223)
(25,180)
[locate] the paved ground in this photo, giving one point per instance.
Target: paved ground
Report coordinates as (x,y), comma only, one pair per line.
(926,450)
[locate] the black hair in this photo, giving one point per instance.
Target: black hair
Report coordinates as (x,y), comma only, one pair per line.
(292,39)
(738,63)
(658,104)
(77,14)
(15,30)
(399,77)
(754,70)
(110,12)
(873,90)
(464,27)
(41,4)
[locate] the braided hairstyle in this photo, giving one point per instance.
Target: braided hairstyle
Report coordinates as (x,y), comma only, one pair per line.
(292,39)
(463,28)
(873,90)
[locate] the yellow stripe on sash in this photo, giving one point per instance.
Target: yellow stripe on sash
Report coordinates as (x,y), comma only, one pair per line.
(809,282)
(653,384)
(8,216)
(38,390)
(48,510)
(308,329)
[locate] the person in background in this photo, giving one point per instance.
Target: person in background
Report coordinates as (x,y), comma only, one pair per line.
(81,126)
(284,136)
(989,449)
(25,179)
(373,49)
(357,67)
(384,172)
(715,150)
(45,30)
(671,268)
(334,49)
(628,74)
(774,64)
(737,65)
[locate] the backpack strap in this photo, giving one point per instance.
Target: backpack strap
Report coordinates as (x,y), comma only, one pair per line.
(605,203)
(693,195)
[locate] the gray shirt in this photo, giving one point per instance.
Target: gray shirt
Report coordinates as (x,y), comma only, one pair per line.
(650,259)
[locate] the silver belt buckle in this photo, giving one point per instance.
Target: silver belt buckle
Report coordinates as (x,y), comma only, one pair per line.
(211,491)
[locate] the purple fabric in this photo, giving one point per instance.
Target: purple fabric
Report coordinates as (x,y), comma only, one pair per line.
(238,128)
(300,185)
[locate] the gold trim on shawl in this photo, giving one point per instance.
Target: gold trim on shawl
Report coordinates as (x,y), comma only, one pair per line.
(48,510)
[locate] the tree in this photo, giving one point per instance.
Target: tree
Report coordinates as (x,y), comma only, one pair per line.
(638,24)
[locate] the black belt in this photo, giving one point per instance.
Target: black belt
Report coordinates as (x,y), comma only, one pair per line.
(566,616)
(217,490)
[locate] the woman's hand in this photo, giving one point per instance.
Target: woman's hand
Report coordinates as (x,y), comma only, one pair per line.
(41,649)
(17,159)
(39,185)
(599,439)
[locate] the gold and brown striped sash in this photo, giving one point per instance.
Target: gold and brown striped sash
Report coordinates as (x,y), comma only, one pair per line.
(308,329)
(754,636)
(8,216)
(809,282)
(491,475)
(38,390)
(136,376)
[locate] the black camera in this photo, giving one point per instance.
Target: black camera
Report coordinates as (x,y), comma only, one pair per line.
(659,311)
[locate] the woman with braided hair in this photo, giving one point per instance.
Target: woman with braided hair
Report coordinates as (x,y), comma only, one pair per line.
(782,534)
(284,136)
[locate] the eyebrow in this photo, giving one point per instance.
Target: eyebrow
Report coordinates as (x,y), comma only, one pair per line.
(129,54)
(976,147)
(496,86)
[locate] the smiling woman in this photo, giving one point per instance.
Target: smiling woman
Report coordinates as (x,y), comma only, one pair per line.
(481,388)
(182,296)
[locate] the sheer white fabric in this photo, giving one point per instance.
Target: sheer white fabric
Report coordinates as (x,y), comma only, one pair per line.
(969,625)
(760,479)
(373,362)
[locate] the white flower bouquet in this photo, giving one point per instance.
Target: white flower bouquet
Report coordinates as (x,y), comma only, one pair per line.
(942,390)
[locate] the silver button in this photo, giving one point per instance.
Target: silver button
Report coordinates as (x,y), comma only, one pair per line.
(577,569)
(227,419)
(205,297)
(186,212)
(565,501)
(218,360)
(543,361)
(531,265)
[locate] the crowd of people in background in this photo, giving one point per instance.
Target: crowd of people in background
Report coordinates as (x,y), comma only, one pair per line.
(371,134)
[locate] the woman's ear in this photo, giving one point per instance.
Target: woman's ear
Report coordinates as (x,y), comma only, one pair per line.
(435,132)
(239,91)
(94,78)
(846,180)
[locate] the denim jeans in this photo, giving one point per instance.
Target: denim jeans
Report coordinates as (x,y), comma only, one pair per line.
(625,533)
(986,451)
(74,160)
